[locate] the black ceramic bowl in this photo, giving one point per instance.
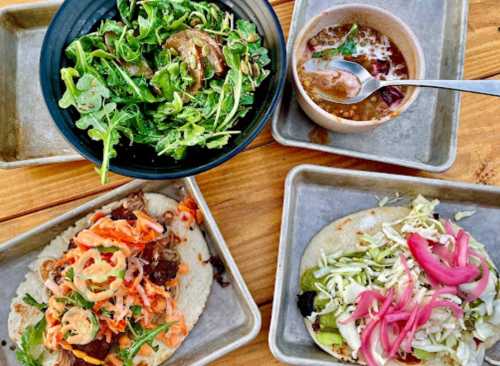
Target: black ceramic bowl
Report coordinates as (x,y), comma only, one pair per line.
(79,17)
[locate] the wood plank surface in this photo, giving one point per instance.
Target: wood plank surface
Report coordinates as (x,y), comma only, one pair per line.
(246,193)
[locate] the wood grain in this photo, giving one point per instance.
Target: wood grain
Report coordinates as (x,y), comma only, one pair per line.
(27,190)
(256,352)
(14,227)
(482,56)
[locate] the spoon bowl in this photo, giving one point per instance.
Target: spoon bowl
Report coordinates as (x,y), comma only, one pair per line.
(369,84)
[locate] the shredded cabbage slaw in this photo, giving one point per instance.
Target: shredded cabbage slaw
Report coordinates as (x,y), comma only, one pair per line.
(386,304)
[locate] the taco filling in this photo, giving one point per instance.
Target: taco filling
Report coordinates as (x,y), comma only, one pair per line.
(112,296)
(416,289)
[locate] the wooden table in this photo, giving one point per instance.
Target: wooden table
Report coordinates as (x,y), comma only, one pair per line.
(245,194)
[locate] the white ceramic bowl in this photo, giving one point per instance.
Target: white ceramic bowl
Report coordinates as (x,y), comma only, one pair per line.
(373,17)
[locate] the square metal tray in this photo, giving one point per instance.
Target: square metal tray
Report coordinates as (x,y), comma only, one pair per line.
(425,136)
(27,134)
(230,319)
(316,196)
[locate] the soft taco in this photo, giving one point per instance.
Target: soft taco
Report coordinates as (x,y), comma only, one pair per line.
(397,286)
(124,286)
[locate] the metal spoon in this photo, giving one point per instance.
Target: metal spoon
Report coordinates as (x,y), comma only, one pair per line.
(369,84)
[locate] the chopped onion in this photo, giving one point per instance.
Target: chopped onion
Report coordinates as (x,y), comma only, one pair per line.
(52,286)
(405,299)
(142,294)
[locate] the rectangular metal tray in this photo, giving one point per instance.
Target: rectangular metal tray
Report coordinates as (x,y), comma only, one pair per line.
(28,135)
(425,136)
(316,196)
(230,319)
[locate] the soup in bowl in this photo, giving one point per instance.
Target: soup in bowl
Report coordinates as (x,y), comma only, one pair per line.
(367,35)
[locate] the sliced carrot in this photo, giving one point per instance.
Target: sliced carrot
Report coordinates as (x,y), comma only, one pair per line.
(183,268)
(159,305)
(113,360)
(98,215)
(145,350)
(124,342)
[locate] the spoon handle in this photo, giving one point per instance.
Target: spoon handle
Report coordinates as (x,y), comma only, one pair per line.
(488,87)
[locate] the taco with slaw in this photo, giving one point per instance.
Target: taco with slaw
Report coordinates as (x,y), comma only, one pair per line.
(397,286)
(123,287)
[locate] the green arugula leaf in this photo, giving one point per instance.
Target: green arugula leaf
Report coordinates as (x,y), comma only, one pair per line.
(126,9)
(128,354)
(105,126)
(125,84)
(87,95)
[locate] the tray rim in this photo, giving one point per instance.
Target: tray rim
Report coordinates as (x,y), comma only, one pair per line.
(455,124)
(286,225)
(218,239)
(53,159)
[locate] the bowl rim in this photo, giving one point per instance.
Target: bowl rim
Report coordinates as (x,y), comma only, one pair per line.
(420,56)
(74,141)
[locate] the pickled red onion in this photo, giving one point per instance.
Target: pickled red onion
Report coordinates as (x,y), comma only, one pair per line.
(406,329)
(483,282)
(397,316)
(366,346)
(461,249)
(419,248)
(365,301)
(442,252)
(448,227)
(426,313)
(384,335)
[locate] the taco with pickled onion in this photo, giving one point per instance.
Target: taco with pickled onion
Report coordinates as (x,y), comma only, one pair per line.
(398,286)
(124,286)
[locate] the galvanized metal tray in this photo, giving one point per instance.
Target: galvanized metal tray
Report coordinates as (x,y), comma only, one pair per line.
(230,319)
(316,196)
(27,134)
(425,136)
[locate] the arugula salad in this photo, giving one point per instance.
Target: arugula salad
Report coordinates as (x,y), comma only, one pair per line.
(171,74)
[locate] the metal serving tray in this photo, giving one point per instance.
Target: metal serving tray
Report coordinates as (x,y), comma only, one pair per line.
(425,136)
(316,196)
(230,320)
(27,134)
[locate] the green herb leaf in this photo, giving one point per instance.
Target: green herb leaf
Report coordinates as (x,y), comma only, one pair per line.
(29,352)
(136,310)
(102,249)
(106,313)
(30,300)
(347,48)
(76,299)
(70,274)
